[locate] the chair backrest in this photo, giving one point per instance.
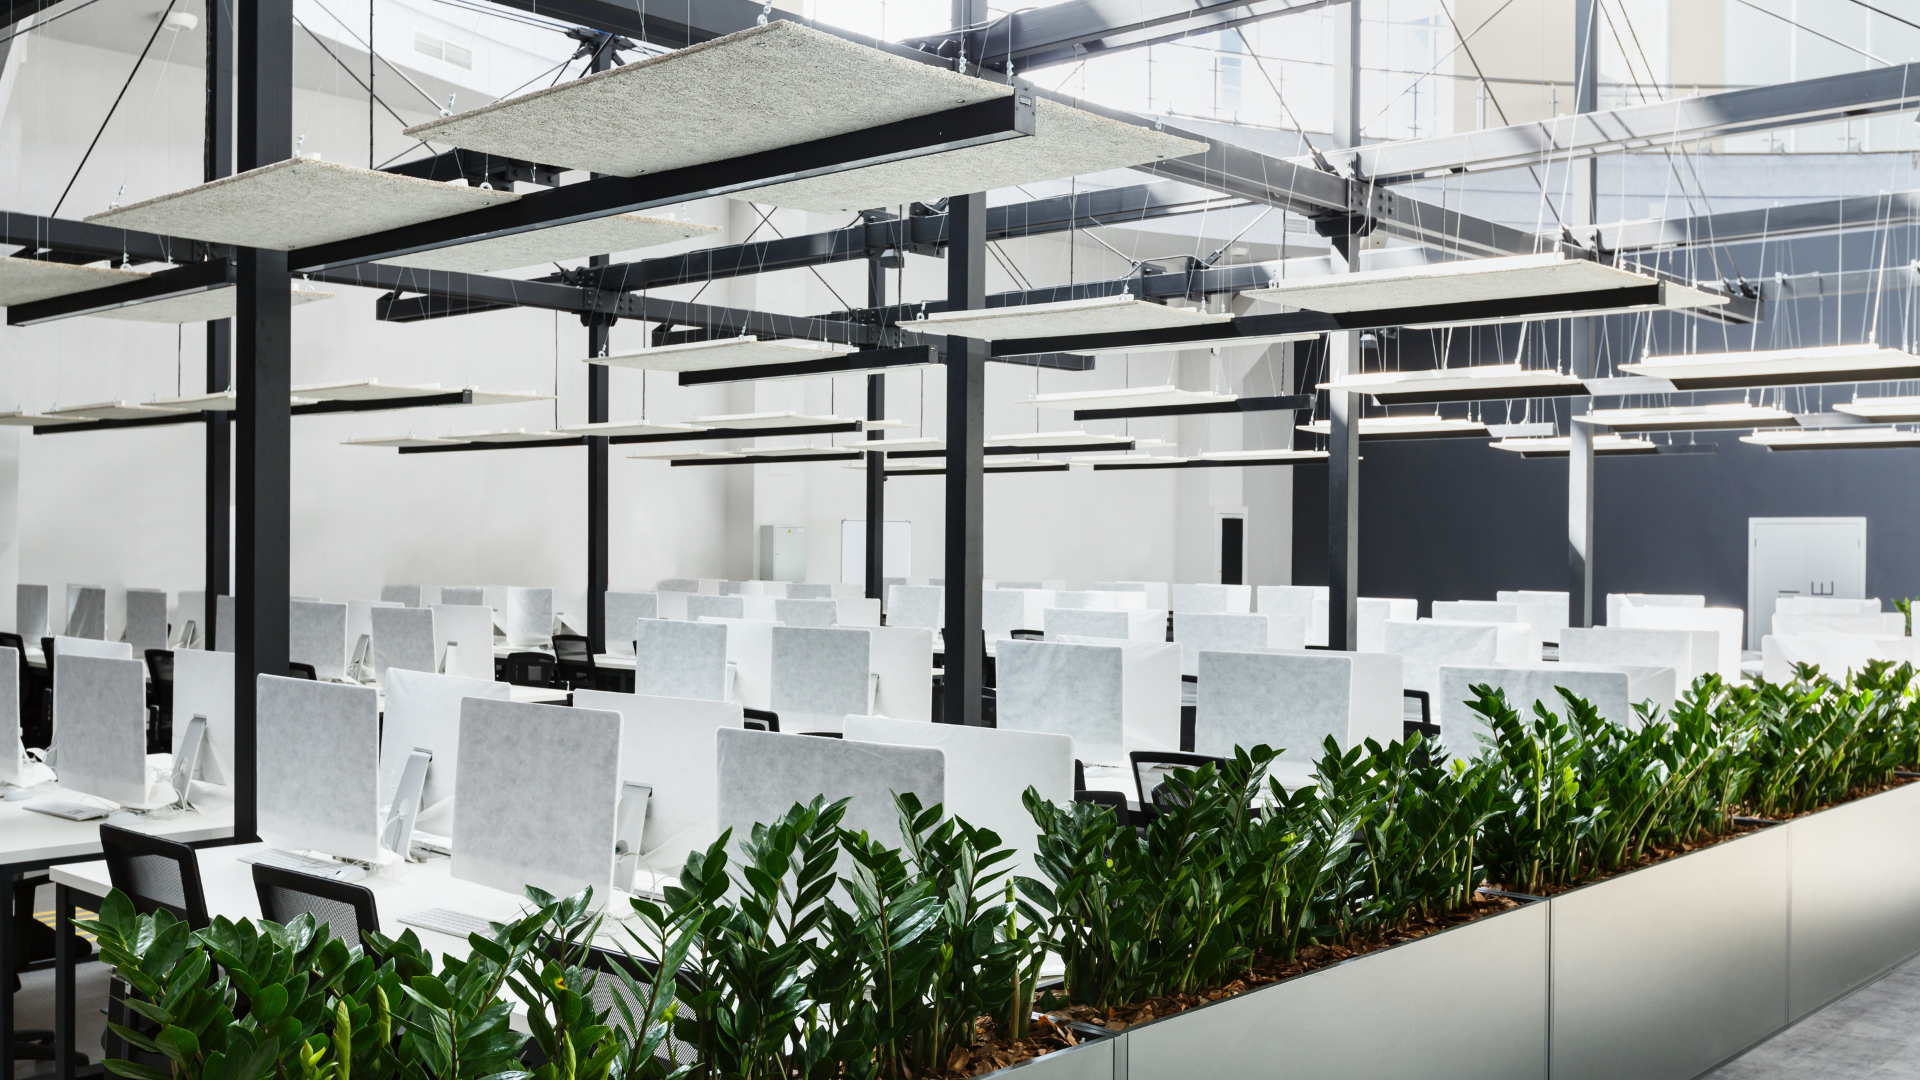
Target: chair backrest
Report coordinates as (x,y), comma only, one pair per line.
(298,670)
(531,669)
(159,665)
(155,874)
(572,649)
(1150,767)
(345,907)
(46,653)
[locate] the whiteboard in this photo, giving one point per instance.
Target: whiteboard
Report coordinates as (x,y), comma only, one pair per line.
(897,536)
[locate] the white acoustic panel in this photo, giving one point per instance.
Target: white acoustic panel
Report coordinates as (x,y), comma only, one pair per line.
(86,612)
(207,305)
(819,672)
(1738,414)
(1132,397)
(1471,383)
(23,281)
(749,660)
(1871,623)
(113,410)
(30,612)
(1842,438)
(319,763)
(463,640)
(1295,701)
(402,638)
(680,659)
(1729,624)
(464,595)
(761,774)
(916,605)
(366,390)
(298,203)
(1225,599)
(818,613)
(1886,410)
(745,351)
(624,610)
(1613,646)
(1465,733)
(1092,315)
(146,619)
(1222,633)
(1374,613)
(1786,605)
(1425,645)
(1554,607)
(317,635)
(701,606)
(423,713)
(1462,282)
(1529,614)
(537,796)
(1778,367)
(619,232)
(1063,689)
(529,616)
(100,728)
(1617,601)
(1834,654)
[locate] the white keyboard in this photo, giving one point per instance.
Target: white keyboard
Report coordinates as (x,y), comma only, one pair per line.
(287,860)
(449,922)
(72,811)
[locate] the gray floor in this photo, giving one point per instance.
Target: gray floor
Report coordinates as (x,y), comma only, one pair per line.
(1874,1032)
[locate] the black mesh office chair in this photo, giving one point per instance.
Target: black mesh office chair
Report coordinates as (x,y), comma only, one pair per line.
(297,670)
(46,696)
(160,699)
(761,719)
(1150,769)
(155,874)
(575,659)
(345,907)
(531,669)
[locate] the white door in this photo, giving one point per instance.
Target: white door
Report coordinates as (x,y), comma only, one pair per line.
(894,561)
(1802,557)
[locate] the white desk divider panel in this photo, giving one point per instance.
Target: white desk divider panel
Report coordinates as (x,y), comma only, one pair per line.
(856,611)
(64,647)
(497,600)
(819,675)
(1614,646)
(403,638)
(1100,600)
(30,612)
(1292,701)
(623,610)
(86,612)
(529,616)
(317,635)
(1215,599)
(1016,583)
(1234,633)
(1062,689)
(100,729)
(1833,654)
(803,590)
(1616,601)
(429,595)
(1729,626)
(537,798)
(681,659)
(733,588)
(673,605)
(988,771)
(915,605)
(1374,613)
(203,686)
(469,629)
(1425,645)
(670,745)
(1873,624)
(902,661)
(423,713)
(708,586)
(146,619)
(1555,603)
(189,630)
(1306,600)
(1127,624)
(1532,616)
(814,613)
(404,595)
(702,606)
(13,751)
(1516,641)
(847,590)
(360,618)
(319,763)
(1156,591)
(1002,611)
(758,606)
(463,595)
(1786,605)
(1461,729)
(761,774)
(749,661)
(224,623)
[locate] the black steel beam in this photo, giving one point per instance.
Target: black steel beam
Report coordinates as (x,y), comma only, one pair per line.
(179,281)
(876,478)
(741,433)
(1008,451)
(218,149)
(978,124)
(772,459)
(1200,463)
(477,168)
(1039,37)
(64,236)
(852,364)
(418,401)
(966,434)
(117,425)
(1295,402)
(521,444)
(1056,466)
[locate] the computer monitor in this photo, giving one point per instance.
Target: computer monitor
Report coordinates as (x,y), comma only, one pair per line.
(423,711)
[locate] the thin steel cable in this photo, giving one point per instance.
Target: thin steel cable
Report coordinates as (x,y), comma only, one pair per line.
(161,25)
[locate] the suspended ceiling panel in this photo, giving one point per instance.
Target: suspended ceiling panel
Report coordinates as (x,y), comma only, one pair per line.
(1053,438)
(1129,398)
(746,351)
(27,419)
(1262,455)
(223,402)
(1466,281)
(367,390)
(205,306)
(509,435)
(669,453)
(298,203)
(113,410)
(760,89)
(1095,315)
(507,397)
(769,419)
(1407,427)
(1484,382)
(1781,367)
(1891,410)
(621,232)
(1562,446)
(1065,142)
(399,441)
(1690,418)
(1835,439)
(23,281)
(629,427)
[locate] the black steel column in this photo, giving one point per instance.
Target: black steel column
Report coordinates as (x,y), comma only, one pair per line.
(876,461)
(219,457)
(597,543)
(263,380)
(966,436)
(1580,211)
(1343,358)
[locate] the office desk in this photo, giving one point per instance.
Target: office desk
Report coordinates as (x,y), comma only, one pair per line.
(32,841)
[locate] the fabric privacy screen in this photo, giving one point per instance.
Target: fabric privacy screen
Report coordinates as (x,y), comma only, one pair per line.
(1072,690)
(100,728)
(464,595)
(403,638)
(624,609)
(319,765)
(30,611)
(404,595)
(761,774)
(537,797)
(1295,701)
(86,612)
(701,606)
(146,619)
(317,635)
(680,659)
(529,616)
(820,673)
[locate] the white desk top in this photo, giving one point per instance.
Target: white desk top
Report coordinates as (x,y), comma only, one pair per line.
(27,836)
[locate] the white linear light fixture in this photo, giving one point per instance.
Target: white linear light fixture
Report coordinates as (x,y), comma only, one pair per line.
(1128,398)
(1508,277)
(747,351)
(1780,367)
(1731,415)
(1886,410)
(1407,427)
(1562,445)
(1842,438)
(1093,315)
(1480,382)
